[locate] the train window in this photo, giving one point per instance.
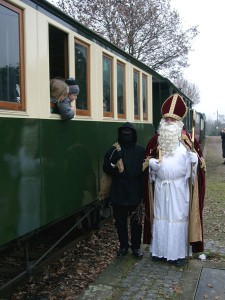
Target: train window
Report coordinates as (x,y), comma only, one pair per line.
(121,101)
(58,53)
(144,97)
(58,56)
(136,95)
(82,77)
(107,86)
(12,57)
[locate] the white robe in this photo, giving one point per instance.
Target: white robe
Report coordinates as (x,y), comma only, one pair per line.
(171,205)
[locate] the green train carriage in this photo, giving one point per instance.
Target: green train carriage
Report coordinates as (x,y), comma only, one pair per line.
(50,169)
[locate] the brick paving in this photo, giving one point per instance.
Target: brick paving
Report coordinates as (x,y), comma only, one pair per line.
(130,279)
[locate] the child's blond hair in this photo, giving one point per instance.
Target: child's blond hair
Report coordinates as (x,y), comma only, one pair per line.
(58,89)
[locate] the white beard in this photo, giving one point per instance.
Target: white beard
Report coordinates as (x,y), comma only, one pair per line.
(169,136)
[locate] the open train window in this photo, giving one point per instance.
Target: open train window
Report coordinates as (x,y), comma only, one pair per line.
(58,53)
(82,78)
(12,57)
(144,97)
(107,85)
(136,80)
(58,57)
(121,92)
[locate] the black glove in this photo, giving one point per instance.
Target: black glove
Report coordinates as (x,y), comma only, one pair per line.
(115,156)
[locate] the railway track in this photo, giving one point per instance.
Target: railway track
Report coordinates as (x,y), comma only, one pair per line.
(24,259)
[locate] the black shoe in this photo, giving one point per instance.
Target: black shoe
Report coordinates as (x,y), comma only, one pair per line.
(122,252)
(180,262)
(156,258)
(138,253)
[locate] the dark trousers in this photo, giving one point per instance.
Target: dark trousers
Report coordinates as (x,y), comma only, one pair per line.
(223,147)
(121,215)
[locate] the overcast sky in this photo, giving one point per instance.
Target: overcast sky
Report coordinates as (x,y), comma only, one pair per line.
(207,61)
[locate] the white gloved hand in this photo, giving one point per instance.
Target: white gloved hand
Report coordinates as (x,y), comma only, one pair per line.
(193,157)
(154,164)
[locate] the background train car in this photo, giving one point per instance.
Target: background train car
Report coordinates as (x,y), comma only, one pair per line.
(162,89)
(49,168)
(200,127)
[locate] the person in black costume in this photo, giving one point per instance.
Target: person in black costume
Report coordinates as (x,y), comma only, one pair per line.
(123,161)
(222,133)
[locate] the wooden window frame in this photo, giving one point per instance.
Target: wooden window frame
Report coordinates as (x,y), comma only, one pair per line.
(84,112)
(122,116)
(111,113)
(144,76)
(5,104)
(137,117)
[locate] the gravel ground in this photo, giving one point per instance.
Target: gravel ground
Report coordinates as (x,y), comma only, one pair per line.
(66,278)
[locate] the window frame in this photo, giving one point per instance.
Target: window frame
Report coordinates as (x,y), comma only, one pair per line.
(83,112)
(122,116)
(145,118)
(12,105)
(137,117)
(109,114)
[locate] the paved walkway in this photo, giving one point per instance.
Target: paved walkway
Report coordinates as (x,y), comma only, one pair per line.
(129,279)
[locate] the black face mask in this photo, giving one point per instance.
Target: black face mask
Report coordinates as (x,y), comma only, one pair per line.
(127,139)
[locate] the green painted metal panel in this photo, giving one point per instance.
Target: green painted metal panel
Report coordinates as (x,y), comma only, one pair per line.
(20,191)
(69,167)
(50,169)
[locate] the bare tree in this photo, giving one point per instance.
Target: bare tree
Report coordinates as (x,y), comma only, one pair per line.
(150,30)
(188,88)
